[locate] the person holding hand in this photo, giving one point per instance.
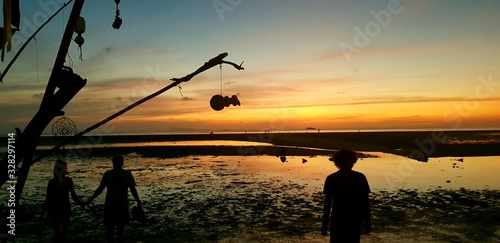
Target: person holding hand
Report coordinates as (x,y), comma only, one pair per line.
(116,207)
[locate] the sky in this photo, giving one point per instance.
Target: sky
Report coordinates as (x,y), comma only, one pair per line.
(331,65)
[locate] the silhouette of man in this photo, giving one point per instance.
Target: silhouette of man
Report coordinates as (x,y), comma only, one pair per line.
(116,208)
(57,201)
(346,197)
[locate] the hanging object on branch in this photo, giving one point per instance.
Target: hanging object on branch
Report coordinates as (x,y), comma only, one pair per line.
(118,21)
(11,18)
(218,102)
(63,127)
(79,30)
(68,79)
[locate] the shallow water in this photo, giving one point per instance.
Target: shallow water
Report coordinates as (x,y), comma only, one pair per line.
(390,172)
(384,172)
(87,145)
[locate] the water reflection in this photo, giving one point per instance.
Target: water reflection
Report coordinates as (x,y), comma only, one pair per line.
(166,143)
(386,171)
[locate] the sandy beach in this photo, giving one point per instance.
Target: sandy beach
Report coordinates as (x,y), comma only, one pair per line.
(204,193)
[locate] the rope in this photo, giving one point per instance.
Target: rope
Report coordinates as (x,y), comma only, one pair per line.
(36,60)
(220,67)
(70,61)
(81,53)
(180,90)
(63,18)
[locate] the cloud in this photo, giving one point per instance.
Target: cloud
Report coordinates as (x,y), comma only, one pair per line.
(415,99)
(14,86)
(360,101)
(16,115)
(38,95)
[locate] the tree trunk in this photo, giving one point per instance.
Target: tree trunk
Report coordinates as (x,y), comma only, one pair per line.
(51,105)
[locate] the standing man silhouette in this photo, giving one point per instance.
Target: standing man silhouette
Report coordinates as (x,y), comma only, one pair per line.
(346,197)
(116,208)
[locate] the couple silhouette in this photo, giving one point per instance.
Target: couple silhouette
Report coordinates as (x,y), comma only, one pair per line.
(116,208)
(346,205)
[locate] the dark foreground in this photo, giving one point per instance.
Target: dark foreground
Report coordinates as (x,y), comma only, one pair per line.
(279,214)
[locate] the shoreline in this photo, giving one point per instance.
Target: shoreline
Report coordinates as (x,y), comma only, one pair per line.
(412,144)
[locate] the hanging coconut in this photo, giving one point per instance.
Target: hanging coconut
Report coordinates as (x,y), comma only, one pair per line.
(79,30)
(80,25)
(217,102)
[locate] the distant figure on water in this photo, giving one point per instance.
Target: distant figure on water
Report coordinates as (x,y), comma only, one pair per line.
(116,208)
(346,198)
(56,203)
(282,155)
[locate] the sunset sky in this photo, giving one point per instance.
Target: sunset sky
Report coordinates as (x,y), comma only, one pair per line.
(325,64)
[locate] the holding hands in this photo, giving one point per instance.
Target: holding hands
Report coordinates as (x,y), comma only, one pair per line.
(324,232)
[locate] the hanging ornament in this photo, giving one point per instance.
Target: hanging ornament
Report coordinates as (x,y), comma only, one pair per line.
(232,101)
(118,21)
(63,127)
(218,102)
(68,79)
(79,30)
